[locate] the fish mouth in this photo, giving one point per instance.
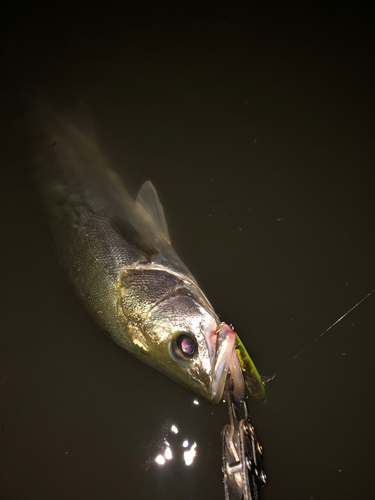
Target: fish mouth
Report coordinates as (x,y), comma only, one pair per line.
(224,363)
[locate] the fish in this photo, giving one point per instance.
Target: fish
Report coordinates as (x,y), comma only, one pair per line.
(116,252)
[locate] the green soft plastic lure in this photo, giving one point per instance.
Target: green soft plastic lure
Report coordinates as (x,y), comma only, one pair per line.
(250,373)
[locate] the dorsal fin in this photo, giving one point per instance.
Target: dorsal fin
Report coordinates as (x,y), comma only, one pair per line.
(148,201)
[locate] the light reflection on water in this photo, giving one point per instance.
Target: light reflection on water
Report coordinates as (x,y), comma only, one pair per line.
(167,454)
(190,454)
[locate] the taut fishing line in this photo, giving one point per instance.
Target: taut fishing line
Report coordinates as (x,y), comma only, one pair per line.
(321,335)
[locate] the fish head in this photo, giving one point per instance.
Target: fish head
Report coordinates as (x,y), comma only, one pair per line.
(179,333)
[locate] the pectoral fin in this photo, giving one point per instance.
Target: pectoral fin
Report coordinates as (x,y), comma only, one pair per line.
(133,237)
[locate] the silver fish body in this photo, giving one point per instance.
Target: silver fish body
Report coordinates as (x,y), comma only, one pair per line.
(117,254)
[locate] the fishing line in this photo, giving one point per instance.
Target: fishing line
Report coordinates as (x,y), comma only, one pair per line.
(321,335)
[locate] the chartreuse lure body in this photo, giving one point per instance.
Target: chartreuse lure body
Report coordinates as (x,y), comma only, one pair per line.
(250,373)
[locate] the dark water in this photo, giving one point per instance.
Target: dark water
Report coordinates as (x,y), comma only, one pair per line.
(260,142)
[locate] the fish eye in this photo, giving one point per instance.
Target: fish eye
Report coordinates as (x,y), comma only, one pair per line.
(187,346)
(184,346)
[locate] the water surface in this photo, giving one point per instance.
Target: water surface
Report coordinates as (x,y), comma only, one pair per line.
(262,151)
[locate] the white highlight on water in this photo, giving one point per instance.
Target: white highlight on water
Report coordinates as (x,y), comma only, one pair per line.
(190,454)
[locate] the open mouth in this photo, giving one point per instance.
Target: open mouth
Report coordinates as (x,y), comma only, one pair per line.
(224,361)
